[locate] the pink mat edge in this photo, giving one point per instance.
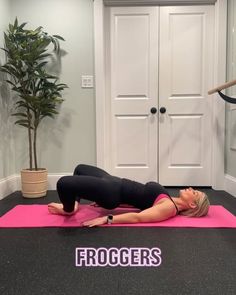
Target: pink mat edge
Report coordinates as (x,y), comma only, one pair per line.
(125,209)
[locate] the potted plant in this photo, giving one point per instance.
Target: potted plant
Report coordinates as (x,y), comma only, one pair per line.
(38,92)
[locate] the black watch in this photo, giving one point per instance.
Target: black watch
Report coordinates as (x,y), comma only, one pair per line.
(109,219)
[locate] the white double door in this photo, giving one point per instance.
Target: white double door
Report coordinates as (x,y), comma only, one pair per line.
(160,66)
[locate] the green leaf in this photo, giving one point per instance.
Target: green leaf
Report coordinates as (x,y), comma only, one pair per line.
(26,126)
(59,37)
(11,83)
(15,23)
(43,56)
(4,49)
(42,64)
(21,104)
(20,114)
(22,26)
(11,28)
(22,122)
(39,29)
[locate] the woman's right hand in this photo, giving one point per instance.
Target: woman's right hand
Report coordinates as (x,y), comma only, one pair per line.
(95,222)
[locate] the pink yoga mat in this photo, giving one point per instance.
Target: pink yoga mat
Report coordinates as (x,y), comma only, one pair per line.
(38,216)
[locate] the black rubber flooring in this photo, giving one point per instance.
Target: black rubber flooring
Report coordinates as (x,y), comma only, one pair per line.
(42,260)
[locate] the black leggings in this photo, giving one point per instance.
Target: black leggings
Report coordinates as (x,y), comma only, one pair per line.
(90,183)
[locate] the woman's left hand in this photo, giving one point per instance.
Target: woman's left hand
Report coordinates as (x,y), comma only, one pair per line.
(95,221)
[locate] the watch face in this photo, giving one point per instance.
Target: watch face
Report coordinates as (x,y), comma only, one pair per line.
(109,219)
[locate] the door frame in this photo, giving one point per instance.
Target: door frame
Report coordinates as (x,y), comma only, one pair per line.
(219,77)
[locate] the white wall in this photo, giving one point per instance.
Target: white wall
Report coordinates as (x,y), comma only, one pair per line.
(70,138)
(7,150)
(230,155)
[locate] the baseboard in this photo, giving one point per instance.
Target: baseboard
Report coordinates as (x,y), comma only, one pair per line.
(11,183)
(230,185)
(53,178)
(8,185)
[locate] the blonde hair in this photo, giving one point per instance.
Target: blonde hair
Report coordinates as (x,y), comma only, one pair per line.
(201,209)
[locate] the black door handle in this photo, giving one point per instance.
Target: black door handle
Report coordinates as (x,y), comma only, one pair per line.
(153,110)
(162,110)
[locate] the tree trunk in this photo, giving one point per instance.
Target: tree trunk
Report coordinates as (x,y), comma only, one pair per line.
(30,140)
(35,148)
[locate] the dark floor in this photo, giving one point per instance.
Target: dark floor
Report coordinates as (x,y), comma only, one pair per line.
(42,260)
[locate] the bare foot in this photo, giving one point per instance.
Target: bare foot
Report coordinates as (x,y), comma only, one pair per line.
(57,208)
(94,204)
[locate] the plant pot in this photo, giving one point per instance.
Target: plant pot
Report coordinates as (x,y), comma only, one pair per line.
(34,183)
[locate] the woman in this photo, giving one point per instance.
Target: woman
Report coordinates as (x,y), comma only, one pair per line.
(109,192)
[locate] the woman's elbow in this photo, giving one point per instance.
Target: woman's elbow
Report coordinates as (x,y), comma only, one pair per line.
(143,218)
(136,218)
(149,219)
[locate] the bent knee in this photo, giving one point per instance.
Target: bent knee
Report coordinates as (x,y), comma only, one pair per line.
(79,168)
(63,182)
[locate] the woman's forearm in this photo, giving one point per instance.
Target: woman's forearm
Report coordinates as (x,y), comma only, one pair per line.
(131,217)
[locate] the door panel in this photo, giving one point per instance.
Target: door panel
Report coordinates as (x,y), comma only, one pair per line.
(134,62)
(132,132)
(186,70)
(131,56)
(190,128)
(186,43)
